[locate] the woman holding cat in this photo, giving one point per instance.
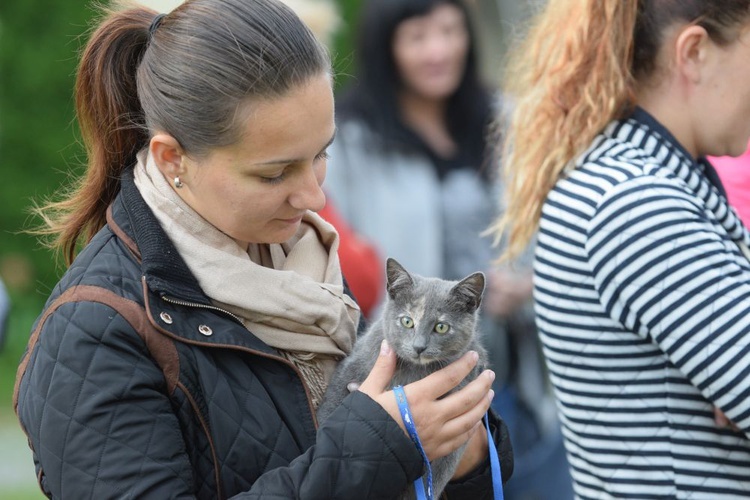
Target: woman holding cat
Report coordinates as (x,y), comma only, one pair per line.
(186,348)
(642,279)
(429,323)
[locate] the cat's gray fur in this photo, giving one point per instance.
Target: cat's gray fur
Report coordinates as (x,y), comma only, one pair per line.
(420,349)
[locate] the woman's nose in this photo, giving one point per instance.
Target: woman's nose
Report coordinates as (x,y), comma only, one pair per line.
(437,47)
(309,195)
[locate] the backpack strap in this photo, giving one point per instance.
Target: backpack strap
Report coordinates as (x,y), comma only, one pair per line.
(161,347)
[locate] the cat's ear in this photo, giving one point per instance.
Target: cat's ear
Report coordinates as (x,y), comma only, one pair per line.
(469,291)
(397,278)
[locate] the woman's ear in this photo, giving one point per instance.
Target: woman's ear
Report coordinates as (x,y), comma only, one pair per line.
(167,154)
(693,48)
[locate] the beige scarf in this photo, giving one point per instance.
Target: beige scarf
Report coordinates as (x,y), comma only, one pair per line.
(290,295)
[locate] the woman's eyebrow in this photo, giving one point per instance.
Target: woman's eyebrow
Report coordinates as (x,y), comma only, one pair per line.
(295,160)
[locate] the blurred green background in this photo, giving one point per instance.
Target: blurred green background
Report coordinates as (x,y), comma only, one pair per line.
(39,152)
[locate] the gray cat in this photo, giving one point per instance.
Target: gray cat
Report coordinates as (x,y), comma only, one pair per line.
(429,323)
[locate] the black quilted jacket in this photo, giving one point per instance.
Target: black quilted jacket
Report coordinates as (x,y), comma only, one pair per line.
(135,386)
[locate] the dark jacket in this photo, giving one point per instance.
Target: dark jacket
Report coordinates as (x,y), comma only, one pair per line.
(135,386)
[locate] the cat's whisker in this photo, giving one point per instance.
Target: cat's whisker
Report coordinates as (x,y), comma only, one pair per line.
(442,363)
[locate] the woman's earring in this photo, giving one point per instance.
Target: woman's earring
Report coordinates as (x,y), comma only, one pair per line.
(178,183)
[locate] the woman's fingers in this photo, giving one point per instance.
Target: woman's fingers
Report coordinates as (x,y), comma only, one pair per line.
(437,384)
(352,386)
(381,374)
(466,421)
(475,453)
(447,441)
(470,396)
(442,424)
(723,421)
(445,424)
(453,432)
(378,382)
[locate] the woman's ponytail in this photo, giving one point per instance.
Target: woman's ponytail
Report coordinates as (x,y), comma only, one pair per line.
(569,79)
(112,126)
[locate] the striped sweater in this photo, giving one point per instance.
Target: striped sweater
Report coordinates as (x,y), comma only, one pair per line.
(642,296)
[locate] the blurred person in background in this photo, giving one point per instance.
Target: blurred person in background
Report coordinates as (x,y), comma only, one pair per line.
(187,347)
(642,278)
(360,262)
(411,171)
(734,173)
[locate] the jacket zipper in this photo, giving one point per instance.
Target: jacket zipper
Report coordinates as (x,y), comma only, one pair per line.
(184,303)
(278,358)
(200,306)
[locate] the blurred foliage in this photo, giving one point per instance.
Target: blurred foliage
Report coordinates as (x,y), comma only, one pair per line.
(38,151)
(38,148)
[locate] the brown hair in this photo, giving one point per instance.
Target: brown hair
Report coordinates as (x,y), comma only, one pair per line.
(574,73)
(188,79)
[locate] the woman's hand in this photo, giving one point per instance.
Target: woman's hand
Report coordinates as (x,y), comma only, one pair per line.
(474,454)
(506,291)
(722,421)
(442,424)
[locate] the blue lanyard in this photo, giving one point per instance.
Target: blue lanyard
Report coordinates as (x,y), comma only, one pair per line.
(497,474)
(403,406)
(497,479)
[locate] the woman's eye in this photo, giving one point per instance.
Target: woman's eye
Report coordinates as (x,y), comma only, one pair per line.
(415,36)
(323,156)
(274,180)
(407,322)
(442,328)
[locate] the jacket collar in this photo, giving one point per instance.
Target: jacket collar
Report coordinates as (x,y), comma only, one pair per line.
(171,285)
(164,269)
(644,132)
(643,117)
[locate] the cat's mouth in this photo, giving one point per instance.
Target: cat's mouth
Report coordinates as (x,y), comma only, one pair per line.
(421,359)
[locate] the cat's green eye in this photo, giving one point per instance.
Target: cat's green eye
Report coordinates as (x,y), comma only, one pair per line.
(407,322)
(442,328)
